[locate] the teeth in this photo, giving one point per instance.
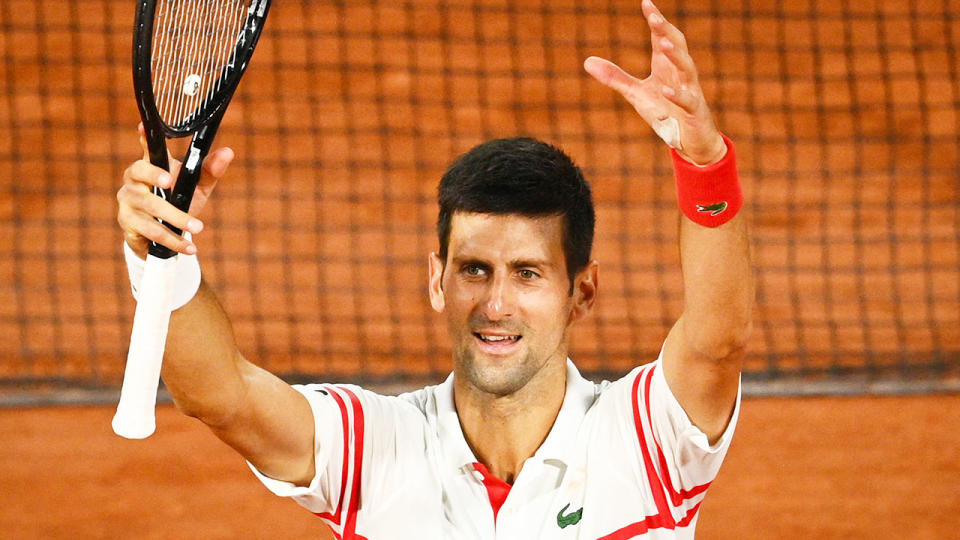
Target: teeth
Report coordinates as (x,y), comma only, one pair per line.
(498,338)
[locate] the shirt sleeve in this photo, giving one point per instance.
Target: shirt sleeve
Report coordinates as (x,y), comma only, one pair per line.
(674,456)
(339,424)
(694,461)
(364,445)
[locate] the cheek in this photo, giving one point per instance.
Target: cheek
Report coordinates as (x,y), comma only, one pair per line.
(460,301)
(548,312)
(459,294)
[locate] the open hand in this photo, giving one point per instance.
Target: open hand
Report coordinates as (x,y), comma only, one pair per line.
(670,98)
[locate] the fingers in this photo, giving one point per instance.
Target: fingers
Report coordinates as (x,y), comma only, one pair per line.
(144,172)
(661,28)
(137,215)
(142,201)
(670,41)
(140,228)
(679,56)
(681,87)
(139,209)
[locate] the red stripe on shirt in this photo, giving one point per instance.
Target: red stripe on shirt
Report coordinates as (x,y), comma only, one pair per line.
(651,522)
(350,526)
(676,498)
(656,487)
(335,516)
(664,518)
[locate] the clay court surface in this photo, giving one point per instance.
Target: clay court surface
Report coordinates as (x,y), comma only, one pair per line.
(818,468)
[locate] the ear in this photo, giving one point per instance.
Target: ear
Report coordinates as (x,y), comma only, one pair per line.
(435,285)
(585,291)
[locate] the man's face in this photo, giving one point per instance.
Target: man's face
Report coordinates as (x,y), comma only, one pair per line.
(505,292)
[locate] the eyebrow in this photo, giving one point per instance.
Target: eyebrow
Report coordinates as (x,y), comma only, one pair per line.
(523,263)
(516,263)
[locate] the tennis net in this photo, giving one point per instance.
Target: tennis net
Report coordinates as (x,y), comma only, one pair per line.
(844,113)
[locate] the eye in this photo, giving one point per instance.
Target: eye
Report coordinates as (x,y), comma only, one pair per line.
(526,273)
(473,270)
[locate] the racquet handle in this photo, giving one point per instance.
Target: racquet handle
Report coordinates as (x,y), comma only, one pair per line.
(138,395)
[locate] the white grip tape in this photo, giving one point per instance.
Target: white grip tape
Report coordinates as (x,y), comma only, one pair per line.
(669,130)
(184,285)
(138,395)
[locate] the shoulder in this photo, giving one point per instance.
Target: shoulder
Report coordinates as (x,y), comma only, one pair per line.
(642,404)
(356,400)
(623,393)
(643,395)
(423,399)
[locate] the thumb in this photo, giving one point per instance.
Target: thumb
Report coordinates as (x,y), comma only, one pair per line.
(610,75)
(630,87)
(214,167)
(217,162)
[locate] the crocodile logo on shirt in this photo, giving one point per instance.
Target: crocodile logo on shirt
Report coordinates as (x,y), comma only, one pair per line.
(570,519)
(714,209)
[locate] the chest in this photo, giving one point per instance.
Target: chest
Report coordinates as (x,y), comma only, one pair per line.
(597,489)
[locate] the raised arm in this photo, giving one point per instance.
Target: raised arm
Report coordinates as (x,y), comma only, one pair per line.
(704,350)
(253,411)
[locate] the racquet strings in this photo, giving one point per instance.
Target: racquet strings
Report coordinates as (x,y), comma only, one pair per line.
(193,52)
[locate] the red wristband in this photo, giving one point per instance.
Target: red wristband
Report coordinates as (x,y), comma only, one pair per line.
(711,195)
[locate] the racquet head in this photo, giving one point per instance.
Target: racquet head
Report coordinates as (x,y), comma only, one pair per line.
(188,58)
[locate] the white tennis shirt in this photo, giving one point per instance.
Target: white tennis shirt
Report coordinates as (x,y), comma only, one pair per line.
(621,461)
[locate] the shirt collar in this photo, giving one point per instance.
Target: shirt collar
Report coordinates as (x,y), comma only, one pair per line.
(578,396)
(453,443)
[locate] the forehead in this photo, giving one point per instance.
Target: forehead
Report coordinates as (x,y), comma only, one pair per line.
(506,236)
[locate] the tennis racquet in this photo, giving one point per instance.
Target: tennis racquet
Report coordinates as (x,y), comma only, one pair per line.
(188,57)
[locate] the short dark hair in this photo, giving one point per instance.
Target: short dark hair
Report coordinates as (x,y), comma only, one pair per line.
(521,176)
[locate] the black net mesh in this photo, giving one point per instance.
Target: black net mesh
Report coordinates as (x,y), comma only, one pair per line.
(844,113)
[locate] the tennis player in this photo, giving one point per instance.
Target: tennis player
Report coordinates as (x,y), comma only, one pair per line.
(515,444)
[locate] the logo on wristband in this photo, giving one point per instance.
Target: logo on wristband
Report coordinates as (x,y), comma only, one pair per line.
(714,209)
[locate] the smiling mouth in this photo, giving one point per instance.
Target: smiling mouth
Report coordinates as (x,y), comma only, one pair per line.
(486,338)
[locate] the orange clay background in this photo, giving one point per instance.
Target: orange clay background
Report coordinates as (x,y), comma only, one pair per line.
(825,467)
(845,119)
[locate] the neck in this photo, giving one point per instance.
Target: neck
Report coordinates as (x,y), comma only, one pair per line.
(504,431)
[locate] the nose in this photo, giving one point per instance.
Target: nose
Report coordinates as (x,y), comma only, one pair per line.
(500,298)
